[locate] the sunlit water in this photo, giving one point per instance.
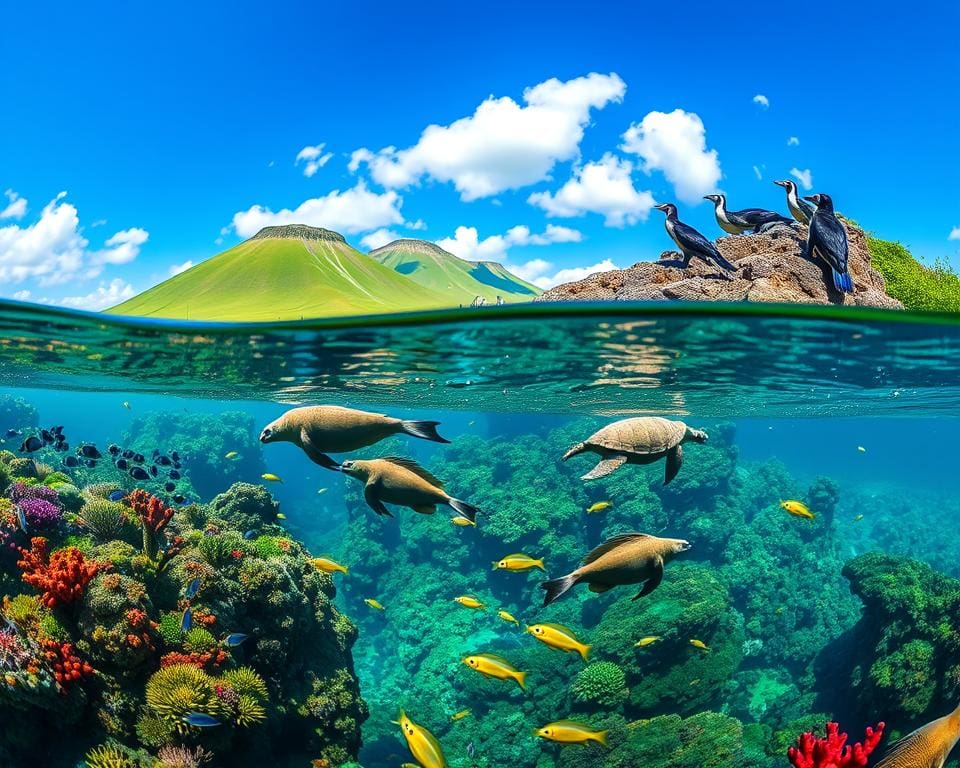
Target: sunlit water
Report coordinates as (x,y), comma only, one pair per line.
(789,395)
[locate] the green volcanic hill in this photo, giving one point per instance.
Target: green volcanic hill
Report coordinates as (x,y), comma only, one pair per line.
(434,268)
(285,273)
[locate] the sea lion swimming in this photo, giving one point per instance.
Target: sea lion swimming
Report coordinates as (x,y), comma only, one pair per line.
(323,429)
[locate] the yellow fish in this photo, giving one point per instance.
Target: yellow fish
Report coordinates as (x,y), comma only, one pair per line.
(460,715)
(571,732)
(375,604)
(281,516)
(327,565)
(797,509)
(231,454)
(491,665)
(469,602)
(643,642)
(858,518)
(423,745)
(599,506)
(518,562)
(508,617)
(271,477)
(461,521)
(699,644)
(559,637)
(321,492)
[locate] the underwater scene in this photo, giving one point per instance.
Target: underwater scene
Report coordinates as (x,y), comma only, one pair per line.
(544,536)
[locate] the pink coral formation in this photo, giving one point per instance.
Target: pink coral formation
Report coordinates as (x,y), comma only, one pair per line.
(60,577)
(830,751)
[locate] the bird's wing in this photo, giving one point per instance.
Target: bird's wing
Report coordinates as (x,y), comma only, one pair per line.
(828,239)
(688,237)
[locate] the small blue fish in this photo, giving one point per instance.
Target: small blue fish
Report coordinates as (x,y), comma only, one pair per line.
(117,495)
(251,534)
(187,621)
(200,720)
(235,639)
(192,588)
(21,518)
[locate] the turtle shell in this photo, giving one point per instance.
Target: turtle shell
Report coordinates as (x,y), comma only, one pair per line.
(643,435)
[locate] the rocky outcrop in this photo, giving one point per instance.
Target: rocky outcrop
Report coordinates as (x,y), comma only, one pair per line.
(298,232)
(770,268)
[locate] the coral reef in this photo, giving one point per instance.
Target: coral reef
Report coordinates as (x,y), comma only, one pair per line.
(61,577)
(832,751)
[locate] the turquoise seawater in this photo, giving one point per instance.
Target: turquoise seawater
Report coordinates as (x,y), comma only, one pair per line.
(851,616)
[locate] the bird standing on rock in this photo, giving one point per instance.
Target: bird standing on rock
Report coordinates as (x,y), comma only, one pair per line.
(828,241)
(690,242)
(800,210)
(738,222)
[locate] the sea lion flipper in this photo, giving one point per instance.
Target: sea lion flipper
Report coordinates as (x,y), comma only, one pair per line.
(606,466)
(674,462)
(315,454)
(371,494)
(653,582)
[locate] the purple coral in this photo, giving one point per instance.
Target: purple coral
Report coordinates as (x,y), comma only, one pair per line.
(40,505)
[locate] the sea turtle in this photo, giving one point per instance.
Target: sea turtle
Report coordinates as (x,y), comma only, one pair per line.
(642,440)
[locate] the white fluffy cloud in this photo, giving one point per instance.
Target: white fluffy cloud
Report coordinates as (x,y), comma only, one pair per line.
(603,187)
(350,212)
(805,177)
(176,269)
(16,207)
(466,242)
(761,100)
(379,238)
(313,159)
(502,145)
(107,295)
(793,141)
(954,234)
(52,249)
(676,144)
(541,274)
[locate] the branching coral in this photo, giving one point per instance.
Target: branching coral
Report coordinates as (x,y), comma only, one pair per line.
(61,577)
(108,756)
(830,751)
(172,756)
(67,666)
(154,515)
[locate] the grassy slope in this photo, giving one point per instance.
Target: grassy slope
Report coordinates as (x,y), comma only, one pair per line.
(918,286)
(451,275)
(283,279)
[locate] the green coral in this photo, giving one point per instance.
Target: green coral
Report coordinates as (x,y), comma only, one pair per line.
(174,691)
(171,628)
(108,756)
(155,731)
(245,506)
(246,682)
(249,711)
(198,640)
(602,684)
(106,520)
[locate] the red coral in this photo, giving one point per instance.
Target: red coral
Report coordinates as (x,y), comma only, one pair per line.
(205,660)
(153,513)
(67,666)
(829,752)
(60,577)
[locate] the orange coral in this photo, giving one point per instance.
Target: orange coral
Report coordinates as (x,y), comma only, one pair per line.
(67,666)
(60,577)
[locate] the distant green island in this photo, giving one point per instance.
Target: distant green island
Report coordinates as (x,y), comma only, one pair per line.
(296,272)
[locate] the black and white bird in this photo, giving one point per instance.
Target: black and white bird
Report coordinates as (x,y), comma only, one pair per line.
(828,241)
(800,210)
(690,242)
(738,222)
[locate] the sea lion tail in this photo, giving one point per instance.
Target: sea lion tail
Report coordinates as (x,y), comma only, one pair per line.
(467,510)
(425,430)
(556,587)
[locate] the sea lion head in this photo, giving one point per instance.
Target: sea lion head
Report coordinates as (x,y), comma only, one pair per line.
(277,431)
(679,545)
(355,468)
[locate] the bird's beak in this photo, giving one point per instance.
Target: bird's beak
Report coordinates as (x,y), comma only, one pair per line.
(661,207)
(780,183)
(811,198)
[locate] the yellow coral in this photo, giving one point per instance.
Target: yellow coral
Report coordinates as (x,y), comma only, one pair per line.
(107,756)
(249,711)
(174,691)
(246,682)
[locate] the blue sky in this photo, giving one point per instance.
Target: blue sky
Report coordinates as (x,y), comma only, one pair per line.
(175,129)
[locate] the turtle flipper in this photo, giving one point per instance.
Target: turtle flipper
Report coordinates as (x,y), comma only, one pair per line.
(315,454)
(578,448)
(653,582)
(371,494)
(606,466)
(674,462)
